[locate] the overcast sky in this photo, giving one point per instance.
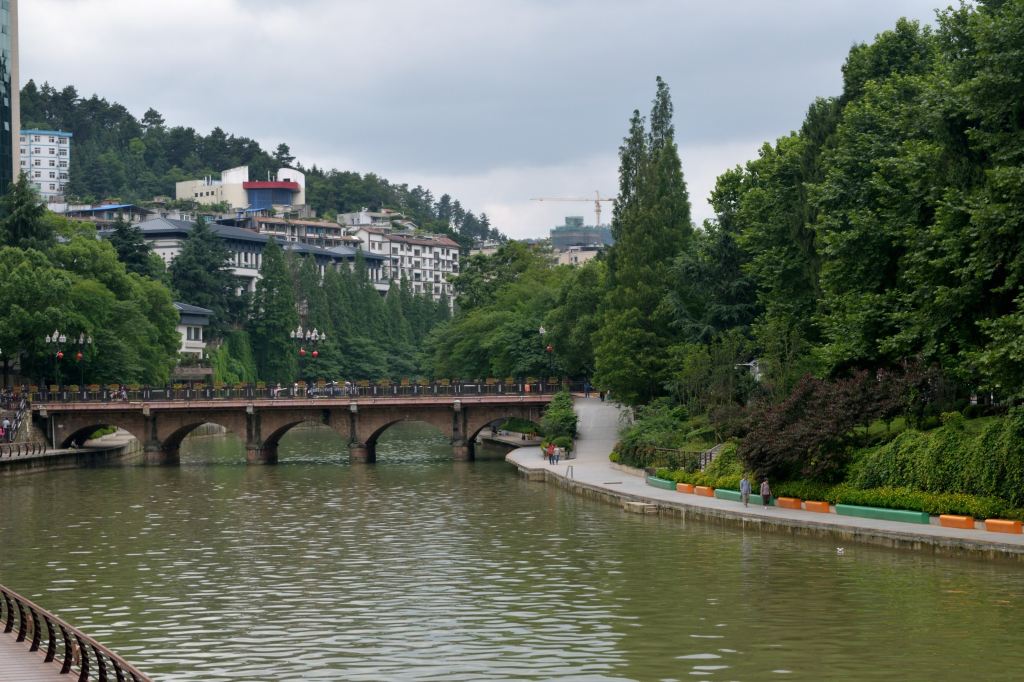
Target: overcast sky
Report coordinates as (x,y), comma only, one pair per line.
(494,102)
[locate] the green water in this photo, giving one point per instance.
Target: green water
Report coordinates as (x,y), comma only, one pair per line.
(420,568)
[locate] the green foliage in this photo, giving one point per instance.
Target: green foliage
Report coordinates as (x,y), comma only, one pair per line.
(517,425)
(201,275)
(951,459)
(232,361)
(22,223)
(560,418)
(274,318)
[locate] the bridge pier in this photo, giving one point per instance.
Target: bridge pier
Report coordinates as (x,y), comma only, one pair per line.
(462,451)
(260,453)
(155,453)
(362,453)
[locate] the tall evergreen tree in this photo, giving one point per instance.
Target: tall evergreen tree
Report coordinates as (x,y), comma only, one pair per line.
(651,226)
(22,215)
(274,317)
(201,275)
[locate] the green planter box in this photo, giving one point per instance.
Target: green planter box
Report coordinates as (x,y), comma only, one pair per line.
(734,495)
(661,483)
(904,515)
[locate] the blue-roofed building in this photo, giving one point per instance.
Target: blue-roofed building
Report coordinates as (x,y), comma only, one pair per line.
(105,215)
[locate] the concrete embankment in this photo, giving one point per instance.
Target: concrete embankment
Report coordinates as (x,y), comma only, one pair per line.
(591,475)
(110,449)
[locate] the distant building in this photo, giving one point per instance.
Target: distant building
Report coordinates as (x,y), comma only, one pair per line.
(578,255)
(245,247)
(10,94)
(322,233)
(575,233)
(45,157)
(105,215)
(386,218)
(485,247)
(192,324)
(427,260)
(286,191)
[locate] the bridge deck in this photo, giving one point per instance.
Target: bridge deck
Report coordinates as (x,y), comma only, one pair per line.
(291,403)
(18,664)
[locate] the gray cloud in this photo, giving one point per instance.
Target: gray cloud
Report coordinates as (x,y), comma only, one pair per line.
(463,91)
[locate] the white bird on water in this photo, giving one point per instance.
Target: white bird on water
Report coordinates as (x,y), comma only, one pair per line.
(840,551)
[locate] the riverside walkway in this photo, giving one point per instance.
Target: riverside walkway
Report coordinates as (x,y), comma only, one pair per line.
(590,473)
(18,664)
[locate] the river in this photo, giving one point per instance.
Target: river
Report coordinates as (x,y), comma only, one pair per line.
(420,568)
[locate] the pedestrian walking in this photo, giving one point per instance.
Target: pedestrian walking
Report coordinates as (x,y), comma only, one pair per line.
(766,493)
(557,455)
(745,490)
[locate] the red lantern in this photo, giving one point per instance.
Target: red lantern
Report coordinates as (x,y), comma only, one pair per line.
(60,355)
(316,354)
(78,356)
(550,348)
(302,352)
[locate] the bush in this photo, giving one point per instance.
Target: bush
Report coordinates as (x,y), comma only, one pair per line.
(614,457)
(517,425)
(559,418)
(563,442)
(950,459)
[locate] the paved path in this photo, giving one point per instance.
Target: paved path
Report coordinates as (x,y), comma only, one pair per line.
(18,664)
(599,426)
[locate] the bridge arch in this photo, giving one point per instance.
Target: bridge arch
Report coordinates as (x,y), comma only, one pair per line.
(83,432)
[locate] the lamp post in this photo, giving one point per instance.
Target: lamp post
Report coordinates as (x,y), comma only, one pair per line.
(308,337)
(550,350)
(56,340)
(84,343)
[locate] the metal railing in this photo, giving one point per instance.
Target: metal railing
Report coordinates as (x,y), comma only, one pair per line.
(77,651)
(25,449)
(362,389)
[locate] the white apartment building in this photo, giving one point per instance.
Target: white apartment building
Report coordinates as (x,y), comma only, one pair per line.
(45,157)
(386,218)
(428,261)
(287,190)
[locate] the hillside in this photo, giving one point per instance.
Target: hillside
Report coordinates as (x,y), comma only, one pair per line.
(117,155)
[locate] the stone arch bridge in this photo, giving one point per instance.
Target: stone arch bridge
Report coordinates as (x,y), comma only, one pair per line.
(261,423)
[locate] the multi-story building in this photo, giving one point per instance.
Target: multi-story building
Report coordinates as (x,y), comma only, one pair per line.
(386,218)
(285,192)
(245,247)
(10,95)
(105,215)
(575,233)
(322,233)
(45,158)
(427,260)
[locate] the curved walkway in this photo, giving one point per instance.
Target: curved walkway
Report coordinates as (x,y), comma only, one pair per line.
(591,473)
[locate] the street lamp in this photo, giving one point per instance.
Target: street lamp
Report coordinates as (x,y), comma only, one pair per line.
(84,343)
(550,350)
(308,337)
(56,340)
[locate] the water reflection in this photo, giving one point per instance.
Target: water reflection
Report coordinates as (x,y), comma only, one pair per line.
(422,568)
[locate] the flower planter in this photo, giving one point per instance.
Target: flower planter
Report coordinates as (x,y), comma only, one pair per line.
(705,490)
(684,488)
(956,521)
(788,502)
(814,506)
(1003,526)
(656,482)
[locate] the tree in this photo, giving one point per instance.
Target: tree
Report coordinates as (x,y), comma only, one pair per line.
(651,226)
(22,215)
(201,275)
(274,317)
(132,249)
(283,156)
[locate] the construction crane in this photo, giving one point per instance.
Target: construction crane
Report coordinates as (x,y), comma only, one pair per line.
(597,203)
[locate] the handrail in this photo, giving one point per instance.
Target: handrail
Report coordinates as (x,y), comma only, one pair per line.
(75,647)
(187,393)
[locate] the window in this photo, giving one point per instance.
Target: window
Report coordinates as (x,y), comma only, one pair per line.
(63,176)
(36,150)
(21,150)
(62,152)
(24,163)
(37,174)
(52,163)
(36,162)
(21,138)
(35,138)
(51,139)
(53,150)
(52,174)
(62,164)
(52,186)
(62,140)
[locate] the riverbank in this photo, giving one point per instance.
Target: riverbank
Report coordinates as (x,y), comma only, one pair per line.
(109,449)
(592,475)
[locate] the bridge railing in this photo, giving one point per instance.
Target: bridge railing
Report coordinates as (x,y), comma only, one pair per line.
(65,644)
(359,389)
(21,449)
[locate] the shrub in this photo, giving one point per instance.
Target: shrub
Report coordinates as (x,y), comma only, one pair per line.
(563,442)
(614,457)
(517,425)
(559,418)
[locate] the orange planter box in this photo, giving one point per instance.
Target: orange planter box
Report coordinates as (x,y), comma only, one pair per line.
(1003,526)
(787,502)
(705,490)
(684,487)
(956,521)
(821,507)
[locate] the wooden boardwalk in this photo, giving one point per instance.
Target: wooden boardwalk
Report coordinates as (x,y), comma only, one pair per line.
(18,664)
